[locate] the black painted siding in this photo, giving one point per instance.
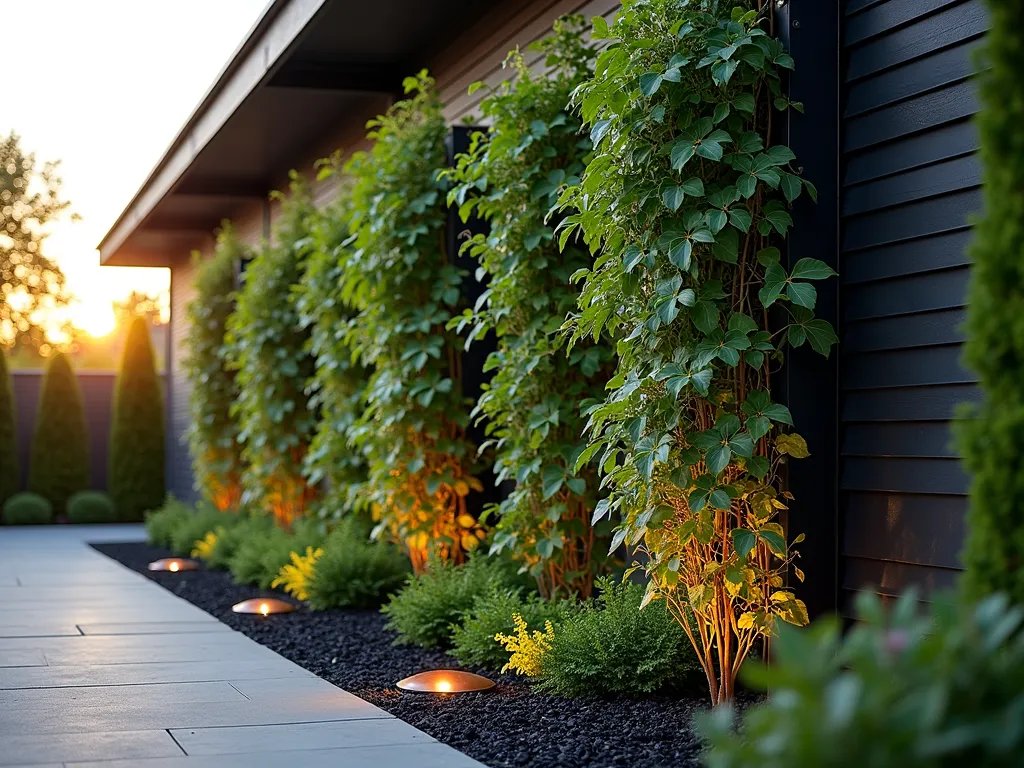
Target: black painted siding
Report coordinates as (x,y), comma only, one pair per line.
(179,476)
(910,180)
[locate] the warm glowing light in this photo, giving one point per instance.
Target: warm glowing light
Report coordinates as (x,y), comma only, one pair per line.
(445,681)
(263,606)
(95,318)
(173,564)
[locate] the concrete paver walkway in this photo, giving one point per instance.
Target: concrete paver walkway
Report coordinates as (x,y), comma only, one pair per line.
(102,668)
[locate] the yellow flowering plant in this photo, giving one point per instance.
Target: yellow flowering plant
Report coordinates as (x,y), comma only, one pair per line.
(295,577)
(527,648)
(203,548)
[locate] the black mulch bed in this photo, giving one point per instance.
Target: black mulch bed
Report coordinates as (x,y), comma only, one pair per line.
(510,725)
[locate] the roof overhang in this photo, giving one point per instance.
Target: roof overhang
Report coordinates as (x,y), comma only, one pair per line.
(307,70)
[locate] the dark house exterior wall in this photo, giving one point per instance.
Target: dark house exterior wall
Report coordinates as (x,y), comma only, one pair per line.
(909,182)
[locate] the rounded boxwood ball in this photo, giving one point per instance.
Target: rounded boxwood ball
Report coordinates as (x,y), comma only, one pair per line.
(27,509)
(91,507)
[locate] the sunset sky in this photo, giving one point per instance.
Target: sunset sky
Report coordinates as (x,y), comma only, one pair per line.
(104,86)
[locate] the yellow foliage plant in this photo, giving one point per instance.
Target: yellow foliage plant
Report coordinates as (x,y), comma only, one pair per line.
(527,648)
(203,547)
(296,576)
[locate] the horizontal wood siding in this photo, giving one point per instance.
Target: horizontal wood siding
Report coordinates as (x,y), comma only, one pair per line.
(910,181)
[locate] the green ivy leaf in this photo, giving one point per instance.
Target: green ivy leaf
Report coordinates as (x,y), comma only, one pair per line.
(743,542)
(650,83)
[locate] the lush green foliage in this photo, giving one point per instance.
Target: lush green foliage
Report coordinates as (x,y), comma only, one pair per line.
(230,535)
(473,640)
(26,509)
(30,203)
(686,204)
(413,431)
(192,527)
(510,177)
(136,470)
(268,349)
(213,431)
(897,691)
(163,522)
(354,572)
(614,647)
(258,559)
(10,476)
(992,440)
(431,604)
(339,381)
(59,462)
(91,507)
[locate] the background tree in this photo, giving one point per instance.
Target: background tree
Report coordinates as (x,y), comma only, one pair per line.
(9,478)
(993,441)
(136,474)
(31,285)
(213,431)
(269,350)
(59,462)
(140,304)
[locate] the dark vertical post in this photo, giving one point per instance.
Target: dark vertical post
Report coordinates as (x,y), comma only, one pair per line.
(809,383)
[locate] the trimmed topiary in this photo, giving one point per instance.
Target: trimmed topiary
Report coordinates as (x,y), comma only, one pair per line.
(59,465)
(213,431)
(992,442)
(27,509)
(9,480)
(91,507)
(136,478)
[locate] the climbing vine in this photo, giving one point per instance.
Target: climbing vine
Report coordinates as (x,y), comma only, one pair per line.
(213,432)
(686,202)
(336,389)
(510,177)
(413,430)
(268,350)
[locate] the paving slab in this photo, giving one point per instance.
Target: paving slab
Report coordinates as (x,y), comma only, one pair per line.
(298,736)
(33,748)
(102,668)
(430,755)
(153,628)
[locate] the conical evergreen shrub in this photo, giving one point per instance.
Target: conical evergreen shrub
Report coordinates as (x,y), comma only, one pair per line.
(136,474)
(8,435)
(59,461)
(992,441)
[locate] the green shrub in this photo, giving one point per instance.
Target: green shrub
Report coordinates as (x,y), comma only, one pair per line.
(91,507)
(473,640)
(27,509)
(259,557)
(354,572)
(163,522)
(213,431)
(59,464)
(202,519)
(898,691)
(10,478)
(232,533)
(268,349)
(992,441)
(136,465)
(612,646)
(430,604)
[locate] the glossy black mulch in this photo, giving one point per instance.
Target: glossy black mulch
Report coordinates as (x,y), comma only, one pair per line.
(510,725)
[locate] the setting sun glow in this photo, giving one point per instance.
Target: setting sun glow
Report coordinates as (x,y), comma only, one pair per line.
(97,319)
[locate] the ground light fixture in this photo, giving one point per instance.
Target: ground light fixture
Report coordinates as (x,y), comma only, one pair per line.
(174,564)
(445,681)
(264,606)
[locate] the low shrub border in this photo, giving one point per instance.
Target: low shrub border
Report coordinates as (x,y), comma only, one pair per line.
(512,725)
